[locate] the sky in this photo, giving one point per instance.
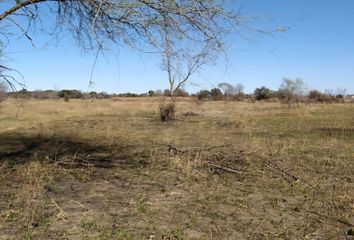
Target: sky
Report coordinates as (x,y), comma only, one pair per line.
(317,46)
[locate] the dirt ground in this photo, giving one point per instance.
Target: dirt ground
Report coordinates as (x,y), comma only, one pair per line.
(109,169)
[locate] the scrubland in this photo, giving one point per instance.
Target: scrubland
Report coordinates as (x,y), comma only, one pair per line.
(108,169)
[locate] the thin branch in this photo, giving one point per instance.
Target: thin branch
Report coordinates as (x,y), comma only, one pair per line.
(18,6)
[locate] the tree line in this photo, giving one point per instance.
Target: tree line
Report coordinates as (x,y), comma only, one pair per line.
(290,92)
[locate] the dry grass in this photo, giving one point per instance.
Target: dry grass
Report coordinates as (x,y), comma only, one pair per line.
(109,169)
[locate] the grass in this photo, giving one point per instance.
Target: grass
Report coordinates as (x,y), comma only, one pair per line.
(230,170)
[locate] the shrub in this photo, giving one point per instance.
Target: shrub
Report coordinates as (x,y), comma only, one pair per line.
(316,95)
(181,93)
(263,93)
(167,111)
(203,94)
(216,94)
(71,94)
(151,93)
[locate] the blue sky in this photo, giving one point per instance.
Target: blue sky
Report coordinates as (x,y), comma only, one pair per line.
(318,47)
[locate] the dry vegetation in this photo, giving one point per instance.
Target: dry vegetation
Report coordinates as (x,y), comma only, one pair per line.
(109,169)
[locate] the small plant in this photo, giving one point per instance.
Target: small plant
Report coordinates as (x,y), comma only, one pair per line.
(174,234)
(121,233)
(142,207)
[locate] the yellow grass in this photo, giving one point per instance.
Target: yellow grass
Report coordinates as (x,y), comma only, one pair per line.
(109,169)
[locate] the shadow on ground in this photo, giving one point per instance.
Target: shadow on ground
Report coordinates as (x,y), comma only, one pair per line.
(67,150)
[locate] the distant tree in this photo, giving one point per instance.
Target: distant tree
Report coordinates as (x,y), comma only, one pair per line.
(329,92)
(151,93)
(239,89)
(227,89)
(263,93)
(143,94)
(316,96)
(93,94)
(23,93)
(159,92)
(182,93)
(46,94)
(290,90)
(167,93)
(70,94)
(238,92)
(216,94)
(203,94)
(128,94)
(3,91)
(103,95)
(341,93)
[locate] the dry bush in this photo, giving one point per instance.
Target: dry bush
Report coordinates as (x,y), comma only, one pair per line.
(166,111)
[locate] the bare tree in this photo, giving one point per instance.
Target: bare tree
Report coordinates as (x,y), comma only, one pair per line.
(8,79)
(341,92)
(239,89)
(141,24)
(291,90)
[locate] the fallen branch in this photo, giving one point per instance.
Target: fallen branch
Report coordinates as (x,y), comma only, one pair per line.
(283,172)
(75,164)
(226,169)
(61,213)
(211,148)
(175,150)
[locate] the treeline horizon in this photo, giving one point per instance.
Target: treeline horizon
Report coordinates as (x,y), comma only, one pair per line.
(216,93)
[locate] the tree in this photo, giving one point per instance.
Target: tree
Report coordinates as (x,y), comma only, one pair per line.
(203,94)
(341,93)
(167,93)
(158,92)
(181,93)
(263,93)
(291,89)
(316,95)
(71,94)
(151,93)
(188,32)
(227,89)
(216,94)
(3,91)
(239,89)
(93,94)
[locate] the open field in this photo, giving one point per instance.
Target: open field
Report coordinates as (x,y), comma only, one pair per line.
(222,170)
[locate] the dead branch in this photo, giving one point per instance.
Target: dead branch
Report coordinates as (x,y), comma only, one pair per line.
(61,213)
(226,169)
(282,171)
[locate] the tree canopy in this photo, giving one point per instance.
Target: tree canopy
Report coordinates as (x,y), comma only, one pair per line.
(193,27)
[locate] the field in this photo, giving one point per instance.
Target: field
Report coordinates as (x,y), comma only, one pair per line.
(109,169)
